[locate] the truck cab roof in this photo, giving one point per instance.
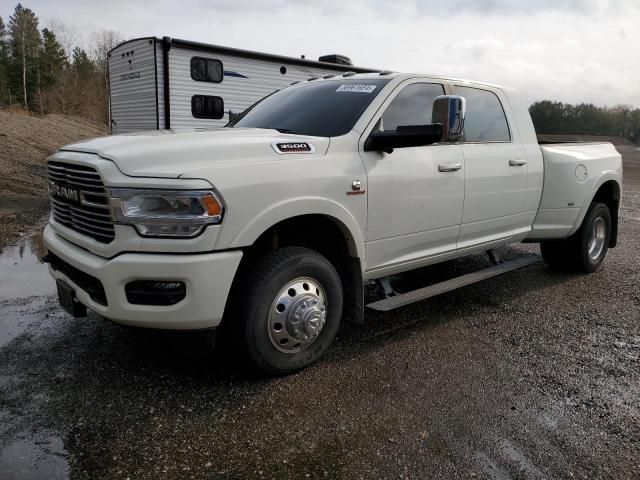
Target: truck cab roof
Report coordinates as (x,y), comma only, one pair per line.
(400,76)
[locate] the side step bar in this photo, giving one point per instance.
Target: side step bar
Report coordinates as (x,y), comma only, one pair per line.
(462,281)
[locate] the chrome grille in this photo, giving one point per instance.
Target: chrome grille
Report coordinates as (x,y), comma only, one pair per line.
(89,213)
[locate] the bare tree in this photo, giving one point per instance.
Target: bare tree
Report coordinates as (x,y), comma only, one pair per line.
(67,35)
(101,43)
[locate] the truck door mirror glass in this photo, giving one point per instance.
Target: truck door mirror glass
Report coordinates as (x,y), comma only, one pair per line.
(449,111)
(402,137)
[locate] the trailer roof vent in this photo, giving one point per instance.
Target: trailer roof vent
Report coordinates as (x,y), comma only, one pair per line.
(336,58)
(348,74)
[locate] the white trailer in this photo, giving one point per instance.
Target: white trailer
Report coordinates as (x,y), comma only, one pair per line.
(170,83)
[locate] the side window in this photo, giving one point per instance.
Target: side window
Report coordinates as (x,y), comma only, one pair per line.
(207,106)
(206,70)
(485,120)
(412,106)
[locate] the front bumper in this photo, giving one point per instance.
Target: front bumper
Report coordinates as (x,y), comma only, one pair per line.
(207,276)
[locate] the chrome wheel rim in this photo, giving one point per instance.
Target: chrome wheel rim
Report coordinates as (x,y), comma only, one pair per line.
(297,315)
(597,239)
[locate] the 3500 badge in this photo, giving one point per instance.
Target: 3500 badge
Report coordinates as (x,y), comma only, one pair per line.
(293,147)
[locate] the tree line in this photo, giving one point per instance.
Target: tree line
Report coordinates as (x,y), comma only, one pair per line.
(42,70)
(586,119)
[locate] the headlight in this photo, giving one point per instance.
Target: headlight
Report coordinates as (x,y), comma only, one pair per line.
(166,213)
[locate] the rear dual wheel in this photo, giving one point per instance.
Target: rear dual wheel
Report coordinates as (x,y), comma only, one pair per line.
(585,250)
(291,309)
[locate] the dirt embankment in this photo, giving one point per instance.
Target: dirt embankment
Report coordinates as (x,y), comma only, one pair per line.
(25,143)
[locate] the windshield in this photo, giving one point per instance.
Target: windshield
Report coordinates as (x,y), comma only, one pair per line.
(327,108)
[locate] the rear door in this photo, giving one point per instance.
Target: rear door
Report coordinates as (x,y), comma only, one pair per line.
(495,169)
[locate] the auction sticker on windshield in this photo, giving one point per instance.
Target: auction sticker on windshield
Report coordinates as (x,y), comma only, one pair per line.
(356,87)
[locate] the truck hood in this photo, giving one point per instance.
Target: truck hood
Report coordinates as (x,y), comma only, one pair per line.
(172,153)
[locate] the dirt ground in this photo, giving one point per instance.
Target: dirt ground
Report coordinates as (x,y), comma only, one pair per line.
(534,374)
(25,143)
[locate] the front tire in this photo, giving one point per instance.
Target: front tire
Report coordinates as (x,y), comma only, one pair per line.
(585,250)
(291,311)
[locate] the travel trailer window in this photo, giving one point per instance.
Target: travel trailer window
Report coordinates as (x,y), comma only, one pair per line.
(206,70)
(207,106)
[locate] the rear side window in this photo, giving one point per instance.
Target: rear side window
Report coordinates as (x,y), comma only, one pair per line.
(207,106)
(206,69)
(485,120)
(412,106)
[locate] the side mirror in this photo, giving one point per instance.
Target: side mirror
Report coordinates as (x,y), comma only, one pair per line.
(403,136)
(449,111)
(234,115)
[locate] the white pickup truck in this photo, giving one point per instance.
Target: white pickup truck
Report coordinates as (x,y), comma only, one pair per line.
(274,224)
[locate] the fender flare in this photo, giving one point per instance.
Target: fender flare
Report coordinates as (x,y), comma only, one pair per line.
(290,208)
(607,176)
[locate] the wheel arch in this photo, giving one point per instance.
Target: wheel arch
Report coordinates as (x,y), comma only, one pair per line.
(323,232)
(609,192)
(303,207)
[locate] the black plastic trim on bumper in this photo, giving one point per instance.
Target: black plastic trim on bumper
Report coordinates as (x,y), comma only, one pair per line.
(91,285)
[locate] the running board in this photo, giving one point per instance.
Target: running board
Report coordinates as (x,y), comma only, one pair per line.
(403,299)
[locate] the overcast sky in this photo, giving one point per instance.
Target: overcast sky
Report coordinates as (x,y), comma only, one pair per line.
(568,50)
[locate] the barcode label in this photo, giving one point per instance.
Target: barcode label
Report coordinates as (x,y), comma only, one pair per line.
(356,87)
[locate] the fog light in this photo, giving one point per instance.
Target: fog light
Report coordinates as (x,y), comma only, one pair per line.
(155,292)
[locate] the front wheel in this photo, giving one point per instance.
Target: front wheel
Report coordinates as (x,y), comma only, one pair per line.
(584,250)
(291,311)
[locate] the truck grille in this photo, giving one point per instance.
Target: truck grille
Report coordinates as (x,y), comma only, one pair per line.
(79,200)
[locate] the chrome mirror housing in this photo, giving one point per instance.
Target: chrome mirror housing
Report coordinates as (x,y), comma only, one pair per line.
(450,111)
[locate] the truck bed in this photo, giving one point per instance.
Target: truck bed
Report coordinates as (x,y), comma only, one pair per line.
(573,173)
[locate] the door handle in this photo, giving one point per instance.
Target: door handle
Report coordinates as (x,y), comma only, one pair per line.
(517,162)
(449,167)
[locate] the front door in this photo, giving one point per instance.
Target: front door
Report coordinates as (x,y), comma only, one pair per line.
(415,195)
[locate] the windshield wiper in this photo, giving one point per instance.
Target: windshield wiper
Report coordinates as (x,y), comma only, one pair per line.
(284,130)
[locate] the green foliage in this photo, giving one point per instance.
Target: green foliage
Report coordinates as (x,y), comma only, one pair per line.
(4,64)
(586,119)
(24,45)
(81,65)
(37,73)
(53,60)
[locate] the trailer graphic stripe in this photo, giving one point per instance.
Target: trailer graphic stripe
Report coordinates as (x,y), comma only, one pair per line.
(231,73)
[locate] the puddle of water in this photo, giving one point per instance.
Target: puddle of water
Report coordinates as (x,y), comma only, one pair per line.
(42,459)
(21,272)
(15,319)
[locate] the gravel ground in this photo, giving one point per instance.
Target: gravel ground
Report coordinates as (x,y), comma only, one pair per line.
(25,143)
(533,374)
